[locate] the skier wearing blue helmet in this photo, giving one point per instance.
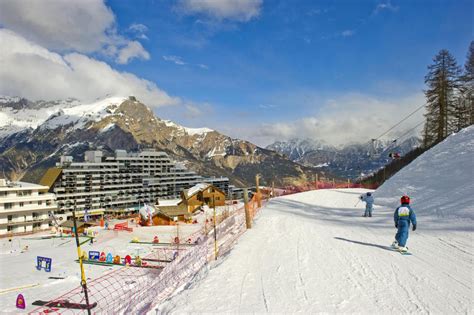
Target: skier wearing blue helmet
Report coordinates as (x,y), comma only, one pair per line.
(369,203)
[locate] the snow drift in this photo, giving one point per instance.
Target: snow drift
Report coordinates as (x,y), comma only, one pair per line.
(440,182)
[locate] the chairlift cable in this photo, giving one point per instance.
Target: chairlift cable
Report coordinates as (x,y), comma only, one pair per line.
(397,124)
(407,132)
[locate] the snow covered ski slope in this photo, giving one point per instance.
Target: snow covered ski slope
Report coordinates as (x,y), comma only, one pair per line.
(313,252)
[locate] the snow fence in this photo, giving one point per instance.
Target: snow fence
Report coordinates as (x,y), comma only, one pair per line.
(136,290)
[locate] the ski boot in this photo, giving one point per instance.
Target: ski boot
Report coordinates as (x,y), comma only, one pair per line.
(403,249)
(395,245)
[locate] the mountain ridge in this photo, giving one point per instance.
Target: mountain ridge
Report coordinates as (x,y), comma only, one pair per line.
(353,160)
(125,123)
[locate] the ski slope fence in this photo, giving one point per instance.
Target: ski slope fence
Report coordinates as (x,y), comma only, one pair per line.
(136,290)
(288,190)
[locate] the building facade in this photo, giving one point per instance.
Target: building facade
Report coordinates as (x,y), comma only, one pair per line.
(24,207)
(122,182)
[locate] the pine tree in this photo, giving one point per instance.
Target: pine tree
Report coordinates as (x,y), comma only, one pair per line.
(443,87)
(466,105)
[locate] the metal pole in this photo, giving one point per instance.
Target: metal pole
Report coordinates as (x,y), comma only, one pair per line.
(79,254)
(177,235)
(215,230)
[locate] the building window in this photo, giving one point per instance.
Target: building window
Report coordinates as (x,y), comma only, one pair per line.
(21,204)
(40,203)
(10,218)
(8,205)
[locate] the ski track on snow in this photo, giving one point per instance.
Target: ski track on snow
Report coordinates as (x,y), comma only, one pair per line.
(314,253)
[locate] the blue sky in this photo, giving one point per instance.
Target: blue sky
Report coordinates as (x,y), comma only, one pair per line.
(266,70)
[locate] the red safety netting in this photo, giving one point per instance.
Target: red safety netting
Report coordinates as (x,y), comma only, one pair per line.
(320,185)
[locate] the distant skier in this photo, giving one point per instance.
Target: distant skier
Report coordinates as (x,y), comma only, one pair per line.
(403,215)
(369,203)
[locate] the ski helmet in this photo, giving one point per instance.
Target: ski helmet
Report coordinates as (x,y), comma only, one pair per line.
(405,199)
(369,194)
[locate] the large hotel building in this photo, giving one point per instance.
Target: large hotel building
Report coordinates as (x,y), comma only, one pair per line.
(119,183)
(24,207)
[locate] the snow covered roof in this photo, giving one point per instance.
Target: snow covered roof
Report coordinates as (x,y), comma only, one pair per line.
(169,202)
(197,188)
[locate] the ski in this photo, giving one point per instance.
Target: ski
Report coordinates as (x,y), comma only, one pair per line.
(397,250)
(65,304)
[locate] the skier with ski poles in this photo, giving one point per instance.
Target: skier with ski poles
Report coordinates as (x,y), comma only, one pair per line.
(369,203)
(402,216)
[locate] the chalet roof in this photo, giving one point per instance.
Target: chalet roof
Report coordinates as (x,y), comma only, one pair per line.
(198,188)
(50,176)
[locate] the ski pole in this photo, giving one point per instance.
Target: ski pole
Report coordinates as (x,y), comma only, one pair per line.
(357,203)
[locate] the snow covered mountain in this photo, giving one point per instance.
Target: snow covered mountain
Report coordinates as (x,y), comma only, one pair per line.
(17,114)
(34,134)
(349,161)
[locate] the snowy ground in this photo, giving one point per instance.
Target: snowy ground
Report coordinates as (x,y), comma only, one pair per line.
(17,268)
(314,252)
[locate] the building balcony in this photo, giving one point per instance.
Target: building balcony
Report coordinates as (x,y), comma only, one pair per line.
(28,209)
(28,222)
(25,199)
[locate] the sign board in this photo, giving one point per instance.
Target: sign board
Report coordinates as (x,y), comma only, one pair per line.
(43,263)
(93,255)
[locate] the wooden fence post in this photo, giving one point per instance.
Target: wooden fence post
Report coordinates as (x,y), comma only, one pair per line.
(248,220)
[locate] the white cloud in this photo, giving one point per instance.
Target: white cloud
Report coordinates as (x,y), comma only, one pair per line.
(347,33)
(340,116)
(195,111)
(175,59)
(137,27)
(138,30)
(132,50)
(237,10)
(31,71)
(384,6)
(66,26)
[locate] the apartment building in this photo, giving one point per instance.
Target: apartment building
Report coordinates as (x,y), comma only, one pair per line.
(118,183)
(24,207)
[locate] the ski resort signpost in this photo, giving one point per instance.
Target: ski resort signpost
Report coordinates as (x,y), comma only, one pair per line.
(43,263)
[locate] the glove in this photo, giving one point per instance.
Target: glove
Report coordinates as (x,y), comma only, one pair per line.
(414,227)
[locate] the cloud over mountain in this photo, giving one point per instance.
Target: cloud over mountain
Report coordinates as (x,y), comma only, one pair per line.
(70,26)
(32,71)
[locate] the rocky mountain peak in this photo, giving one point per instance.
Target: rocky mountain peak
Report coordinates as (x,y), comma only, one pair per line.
(126,123)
